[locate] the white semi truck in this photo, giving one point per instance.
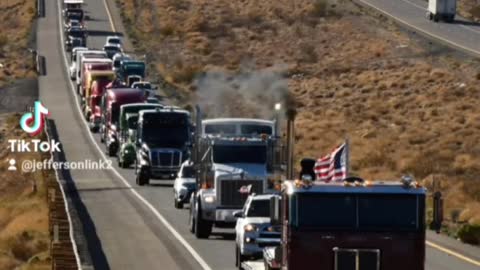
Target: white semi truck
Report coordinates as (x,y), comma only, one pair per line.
(442,10)
(232,158)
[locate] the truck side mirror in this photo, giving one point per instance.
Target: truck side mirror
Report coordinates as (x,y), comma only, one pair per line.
(275,211)
(436,223)
(238,214)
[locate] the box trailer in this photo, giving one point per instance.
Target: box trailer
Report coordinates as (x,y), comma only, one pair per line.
(442,10)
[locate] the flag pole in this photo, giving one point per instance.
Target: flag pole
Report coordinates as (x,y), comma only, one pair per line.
(347,159)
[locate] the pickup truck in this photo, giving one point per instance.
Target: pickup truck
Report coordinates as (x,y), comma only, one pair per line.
(253,230)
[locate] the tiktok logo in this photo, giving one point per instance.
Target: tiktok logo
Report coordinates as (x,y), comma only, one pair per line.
(33,123)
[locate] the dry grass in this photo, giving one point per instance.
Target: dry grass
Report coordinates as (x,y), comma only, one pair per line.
(352,75)
(469,9)
(24,238)
(16,18)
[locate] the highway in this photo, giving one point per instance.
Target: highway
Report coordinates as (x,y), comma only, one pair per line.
(132,227)
(461,34)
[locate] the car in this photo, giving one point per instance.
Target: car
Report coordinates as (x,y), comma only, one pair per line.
(253,230)
(184,184)
(112,49)
(75,37)
(73,24)
(113,40)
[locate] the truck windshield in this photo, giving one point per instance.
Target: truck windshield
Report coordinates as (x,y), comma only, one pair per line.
(188,172)
(220,129)
(225,154)
(76,33)
(166,129)
(259,208)
(134,69)
(256,129)
(359,212)
(75,15)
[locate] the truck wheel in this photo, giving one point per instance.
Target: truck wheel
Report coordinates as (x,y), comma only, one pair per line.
(191,219)
(435,18)
(142,178)
(78,89)
(177,204)
(111,151)
(239,258)
(430,16)
(203,228)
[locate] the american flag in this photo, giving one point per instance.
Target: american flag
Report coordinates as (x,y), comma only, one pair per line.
(333,167)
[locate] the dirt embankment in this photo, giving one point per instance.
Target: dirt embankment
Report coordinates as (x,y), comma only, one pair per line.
(16,20)
(24,236)
(469,9)
(407,106)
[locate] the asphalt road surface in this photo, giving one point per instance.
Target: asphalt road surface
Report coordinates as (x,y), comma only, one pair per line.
(461,34)
(138,227)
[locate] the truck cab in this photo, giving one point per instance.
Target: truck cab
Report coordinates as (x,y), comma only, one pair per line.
(112,100)
(82,56)
(93,103)
(356,224)
(92,68)
(231,154)
(128,130)
(131,71)
(163,143)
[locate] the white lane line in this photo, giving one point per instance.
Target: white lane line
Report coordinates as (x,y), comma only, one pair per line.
(157,214)
(470,50)
(110,19)
(453,253)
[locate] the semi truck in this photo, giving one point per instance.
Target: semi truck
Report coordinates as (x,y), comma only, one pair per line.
(82,56)
(163,143)
(354,224)
(131,71)
(442,10)
(112,100)
(128,129)
(229,165)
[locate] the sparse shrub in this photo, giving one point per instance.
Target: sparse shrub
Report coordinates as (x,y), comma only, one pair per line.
(475,11)
(185,74)
(167,29)
(309,53)
(3,40)
(455,215)
(469,233)
(319,8)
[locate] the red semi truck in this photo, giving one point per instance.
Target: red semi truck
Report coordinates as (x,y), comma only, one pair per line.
(354,225)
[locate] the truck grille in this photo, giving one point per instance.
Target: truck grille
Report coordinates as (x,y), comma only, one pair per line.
(166,158)
(230,195)
(357,259)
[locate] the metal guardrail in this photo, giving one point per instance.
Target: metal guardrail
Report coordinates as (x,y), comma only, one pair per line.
(62,247)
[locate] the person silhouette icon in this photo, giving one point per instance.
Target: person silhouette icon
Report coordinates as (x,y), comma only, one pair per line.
(12,166)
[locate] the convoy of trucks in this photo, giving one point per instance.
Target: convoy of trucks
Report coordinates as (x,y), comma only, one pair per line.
(228,169)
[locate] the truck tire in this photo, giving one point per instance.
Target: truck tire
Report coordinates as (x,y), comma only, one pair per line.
(142,178)
(435,18)
(430,16)
(191,219)
(239,258)
(111,151)
(203,228)
(177,204)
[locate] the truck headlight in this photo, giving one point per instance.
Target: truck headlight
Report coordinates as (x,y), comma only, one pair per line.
(250,227)
(209,199)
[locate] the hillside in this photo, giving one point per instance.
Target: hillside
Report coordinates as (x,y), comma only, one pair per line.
(16,20)
(406,105)
(24,236)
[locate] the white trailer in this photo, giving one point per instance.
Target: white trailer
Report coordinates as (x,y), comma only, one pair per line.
(442,10)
